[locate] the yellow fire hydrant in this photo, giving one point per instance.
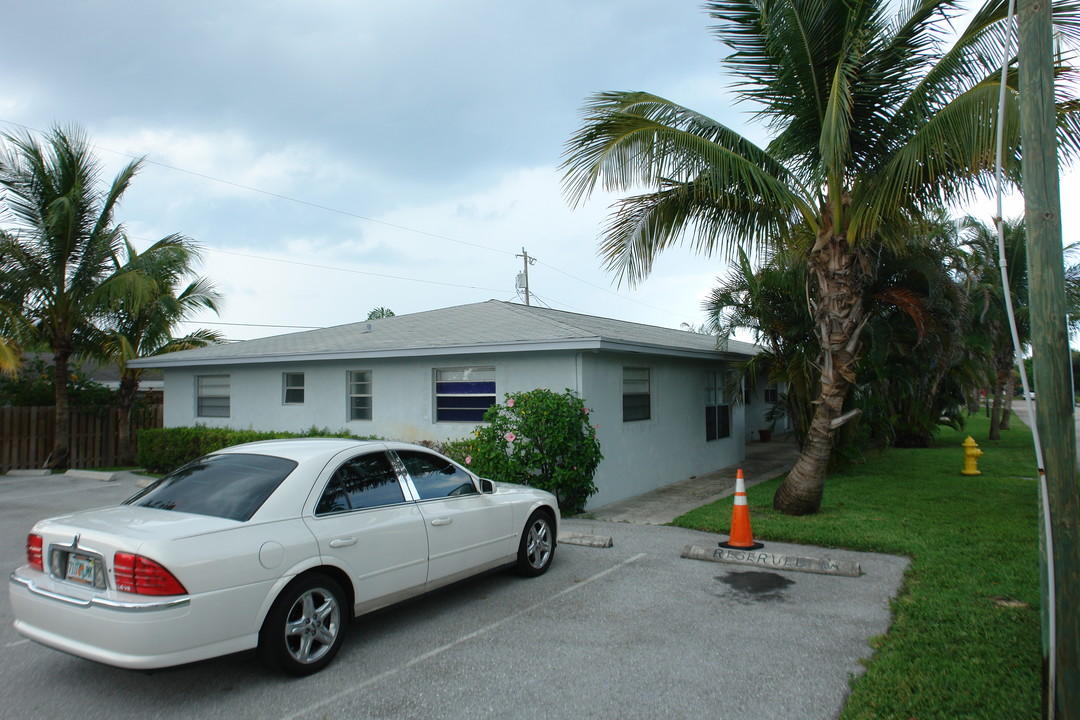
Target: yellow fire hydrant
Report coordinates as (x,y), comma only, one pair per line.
(972,453)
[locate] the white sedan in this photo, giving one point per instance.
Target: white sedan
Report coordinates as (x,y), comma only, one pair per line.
(274,545)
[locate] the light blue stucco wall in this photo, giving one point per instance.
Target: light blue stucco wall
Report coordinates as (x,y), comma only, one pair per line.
(638,456)
(403,404)
(670,446)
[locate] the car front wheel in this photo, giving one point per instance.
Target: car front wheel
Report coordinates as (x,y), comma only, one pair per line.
(537,547)
(305,627)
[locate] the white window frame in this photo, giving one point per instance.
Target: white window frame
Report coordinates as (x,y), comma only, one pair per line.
(289,385)
(636,378)
(717,404)
(209,390)
(351,392)
(771,393)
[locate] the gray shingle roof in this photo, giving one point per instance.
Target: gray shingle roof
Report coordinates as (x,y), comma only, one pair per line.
(492,326)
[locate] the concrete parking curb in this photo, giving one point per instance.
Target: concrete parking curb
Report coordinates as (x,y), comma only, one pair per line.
(598,541)
(774,561)
(103,475)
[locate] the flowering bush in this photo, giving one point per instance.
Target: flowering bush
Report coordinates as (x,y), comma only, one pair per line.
(539,438)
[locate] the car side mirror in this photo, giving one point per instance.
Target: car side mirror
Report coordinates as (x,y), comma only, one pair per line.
(486,486)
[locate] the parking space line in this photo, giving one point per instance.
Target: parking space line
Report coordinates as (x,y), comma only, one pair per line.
(464,638)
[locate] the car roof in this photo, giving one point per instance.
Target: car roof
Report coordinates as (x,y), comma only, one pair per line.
(302,449)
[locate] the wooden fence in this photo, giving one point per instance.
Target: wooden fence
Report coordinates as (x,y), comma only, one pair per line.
(26,436)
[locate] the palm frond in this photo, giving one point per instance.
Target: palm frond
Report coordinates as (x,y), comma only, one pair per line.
(947,160)
(634,139)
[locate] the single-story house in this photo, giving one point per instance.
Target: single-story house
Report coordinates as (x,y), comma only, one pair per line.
(657,394)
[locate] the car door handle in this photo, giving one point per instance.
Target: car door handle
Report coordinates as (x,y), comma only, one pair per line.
(439,522)
(342,542)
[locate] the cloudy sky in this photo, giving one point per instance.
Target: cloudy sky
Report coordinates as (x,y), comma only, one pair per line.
(333,156)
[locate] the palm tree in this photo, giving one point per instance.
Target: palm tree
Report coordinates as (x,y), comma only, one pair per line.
(875,121)
(379,313)
(145,327)
(990,300)
(770,302)
(10,327)
(1072,287)
(56,259)
(913,376)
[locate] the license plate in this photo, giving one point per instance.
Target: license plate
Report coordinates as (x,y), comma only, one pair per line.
(80,569)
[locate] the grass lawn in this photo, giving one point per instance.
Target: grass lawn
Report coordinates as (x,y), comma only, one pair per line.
(965,638)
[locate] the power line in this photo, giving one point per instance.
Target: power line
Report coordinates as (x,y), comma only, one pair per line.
(357,216)
(146,159)
(350,270)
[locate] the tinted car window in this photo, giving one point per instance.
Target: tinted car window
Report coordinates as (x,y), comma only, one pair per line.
(363,482)
(435,477)
(226,486)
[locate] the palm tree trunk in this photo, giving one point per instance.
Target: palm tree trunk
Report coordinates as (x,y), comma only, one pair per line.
(995,410)
(125,401)
(60,458)
(840,317)
(1002,374)
(1010,389)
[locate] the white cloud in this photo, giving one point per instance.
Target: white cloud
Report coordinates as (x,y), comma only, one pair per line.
(440,123)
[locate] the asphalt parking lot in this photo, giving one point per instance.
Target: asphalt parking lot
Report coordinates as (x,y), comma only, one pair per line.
(631,631)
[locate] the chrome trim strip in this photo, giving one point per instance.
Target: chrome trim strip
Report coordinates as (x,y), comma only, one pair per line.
(101,602)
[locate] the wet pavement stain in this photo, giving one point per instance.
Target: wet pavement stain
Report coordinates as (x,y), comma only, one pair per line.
(755,585)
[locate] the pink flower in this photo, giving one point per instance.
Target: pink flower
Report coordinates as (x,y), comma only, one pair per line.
(596,427)
(468,459)
(510,437)
(510,402)
(585,410)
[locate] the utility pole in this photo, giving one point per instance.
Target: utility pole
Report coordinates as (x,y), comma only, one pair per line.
(1051,359)
(523,278)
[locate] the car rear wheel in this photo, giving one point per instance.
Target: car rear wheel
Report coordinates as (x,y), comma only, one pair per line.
(537,547)
(305,627)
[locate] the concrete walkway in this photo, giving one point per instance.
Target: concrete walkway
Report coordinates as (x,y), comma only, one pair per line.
(763,461)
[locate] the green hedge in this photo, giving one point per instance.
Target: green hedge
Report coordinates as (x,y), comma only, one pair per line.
(163,449)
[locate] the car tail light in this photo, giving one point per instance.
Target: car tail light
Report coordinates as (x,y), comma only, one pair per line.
(143,576)
(34,553)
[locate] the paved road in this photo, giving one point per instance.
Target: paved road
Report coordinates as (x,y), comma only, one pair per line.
(1023,410)
(631,631)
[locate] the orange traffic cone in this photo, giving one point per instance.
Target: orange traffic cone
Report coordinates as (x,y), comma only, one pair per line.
(741,538)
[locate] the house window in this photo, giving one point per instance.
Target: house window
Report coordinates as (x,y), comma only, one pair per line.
(212,396)
(293,383)
(463,394)
(717,408)
(772,393)
(636,394)
(360,395)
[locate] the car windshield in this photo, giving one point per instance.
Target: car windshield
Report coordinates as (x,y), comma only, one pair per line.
(230,486)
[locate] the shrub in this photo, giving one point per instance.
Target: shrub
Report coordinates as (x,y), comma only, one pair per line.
(32,386)
(539,438)
(163,449)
